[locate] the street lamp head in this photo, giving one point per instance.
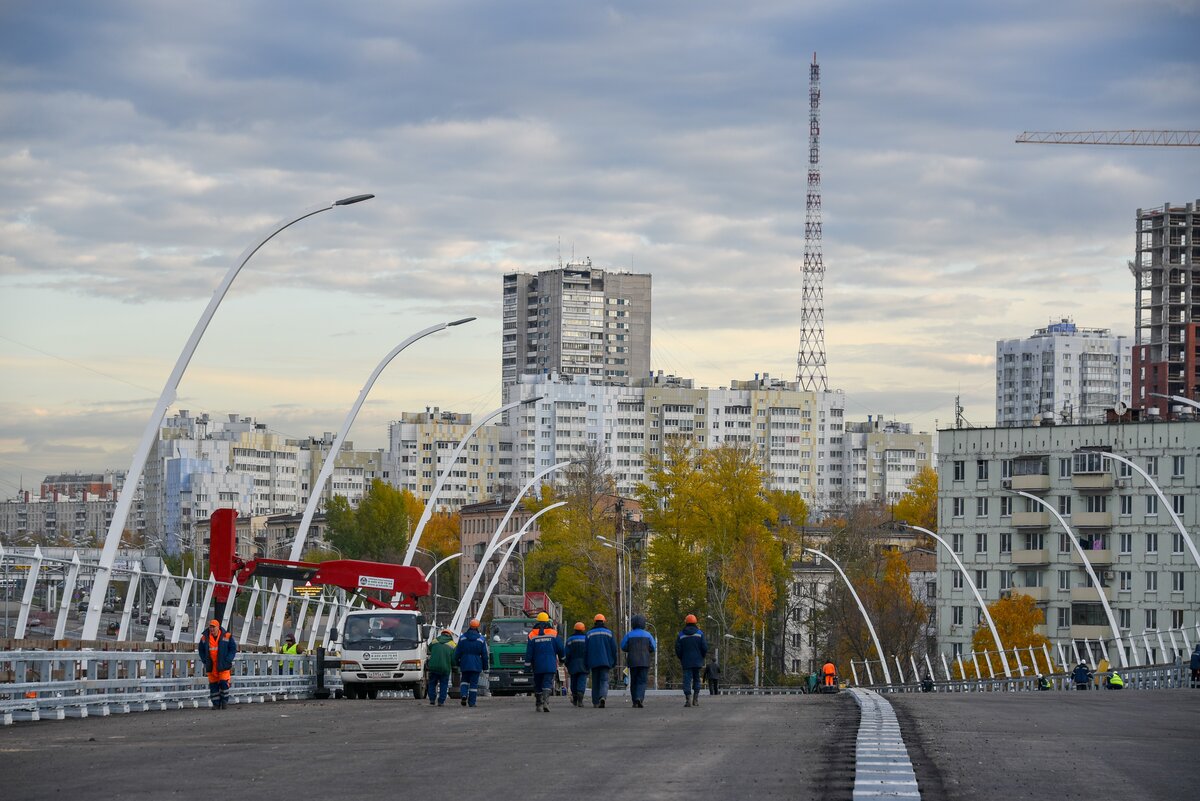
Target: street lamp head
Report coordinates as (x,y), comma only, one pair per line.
(350,201)
(528,401)
(460,322)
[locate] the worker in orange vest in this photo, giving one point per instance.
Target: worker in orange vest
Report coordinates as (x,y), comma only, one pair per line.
(217,649)
(830,674)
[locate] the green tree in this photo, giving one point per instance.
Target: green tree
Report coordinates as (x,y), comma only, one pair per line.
(377,530)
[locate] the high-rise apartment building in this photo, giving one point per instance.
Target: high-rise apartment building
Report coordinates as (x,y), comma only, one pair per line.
(1062,373)
(420,445)
(1010,544)
(577,320)
(882,458)
(1166,269)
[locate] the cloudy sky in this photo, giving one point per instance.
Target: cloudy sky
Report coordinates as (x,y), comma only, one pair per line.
(143,145)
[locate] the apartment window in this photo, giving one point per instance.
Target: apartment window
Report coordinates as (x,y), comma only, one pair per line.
(1152,465)
(1126,543)
(981,543)
(1064,617)
(957,582)
(960,471)
(956,650)
(1035,541)
(1151,618)
(981,579)
(1006,542)
(981,469)
(1064,579)
(1096,503)
(1177,463)
(959,506)
(1123,617)
(1006,579)
(1124,470)
(1176,618)
(1176,543)
(1151,504)
(1126,505)
(1064,468)
(981,507)
(1064,543)
(956,543)
(1177,504)
(1125,580)
(1151,581)
(1006,468)
(1006,506)
(956,615)
(1064,505)
(1152,542)
(1176,581)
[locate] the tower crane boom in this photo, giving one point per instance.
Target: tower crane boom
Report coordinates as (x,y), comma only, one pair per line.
(1137,138)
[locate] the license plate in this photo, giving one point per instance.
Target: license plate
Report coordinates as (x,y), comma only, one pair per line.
(378,674)
(520,681)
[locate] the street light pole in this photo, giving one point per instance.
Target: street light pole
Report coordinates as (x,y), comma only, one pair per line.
(623,610)
(513,541)
(1177,399)
(1162,499)
(330,463)
(982,606)
(437,488)
(1087,565)
(887,674)
(116,528)
(433,572)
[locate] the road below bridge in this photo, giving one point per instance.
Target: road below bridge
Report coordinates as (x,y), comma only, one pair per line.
(730,747)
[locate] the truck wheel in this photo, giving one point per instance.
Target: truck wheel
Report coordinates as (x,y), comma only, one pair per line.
(419,690)
(372,692)
(350,690)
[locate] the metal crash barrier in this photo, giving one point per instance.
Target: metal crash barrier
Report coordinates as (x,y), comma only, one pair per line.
(1163,677)
(53,685)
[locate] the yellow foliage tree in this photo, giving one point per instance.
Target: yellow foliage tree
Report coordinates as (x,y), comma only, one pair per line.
(918,507)
(1017,618)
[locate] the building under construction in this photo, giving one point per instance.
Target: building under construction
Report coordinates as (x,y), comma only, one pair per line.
(1166,267)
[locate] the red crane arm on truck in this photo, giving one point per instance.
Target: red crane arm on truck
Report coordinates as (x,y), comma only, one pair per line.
(402,582)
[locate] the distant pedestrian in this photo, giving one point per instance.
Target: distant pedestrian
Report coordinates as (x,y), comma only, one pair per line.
(543,652)
(1081,676)
(471,655)
(639,647)
(1114,681)
(1043,683)
(217,650)
(830,673)
(576,660)
(289,647)
(712,674)
(691,648)
(926,683)
(441,664)
(1196,667)
(601,658)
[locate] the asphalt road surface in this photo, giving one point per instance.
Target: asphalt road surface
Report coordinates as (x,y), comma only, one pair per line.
(1099,746)
(731,747)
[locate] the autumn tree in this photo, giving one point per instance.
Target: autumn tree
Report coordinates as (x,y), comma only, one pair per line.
(378,529)
(1017,618)
(918,507)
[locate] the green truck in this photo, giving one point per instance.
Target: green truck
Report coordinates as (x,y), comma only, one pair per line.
(513,617)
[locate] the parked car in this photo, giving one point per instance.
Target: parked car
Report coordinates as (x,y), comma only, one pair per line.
(113,628)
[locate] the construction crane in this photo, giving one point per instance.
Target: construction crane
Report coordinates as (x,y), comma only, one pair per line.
(1139,138)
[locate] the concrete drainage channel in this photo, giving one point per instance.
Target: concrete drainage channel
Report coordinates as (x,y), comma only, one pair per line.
(882,768)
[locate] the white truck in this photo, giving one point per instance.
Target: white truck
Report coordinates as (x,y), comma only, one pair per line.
(383,649)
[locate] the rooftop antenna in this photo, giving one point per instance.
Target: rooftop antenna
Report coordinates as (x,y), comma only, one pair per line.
(560,252)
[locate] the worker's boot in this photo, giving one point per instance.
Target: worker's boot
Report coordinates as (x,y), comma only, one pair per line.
(695,699)
(687,700)
(546,702)
(537,699)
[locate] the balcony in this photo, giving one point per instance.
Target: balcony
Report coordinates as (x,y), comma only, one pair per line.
(1079,632)
(1031,519)
(1092,519)
(1103,557)
(1034,483)
(1090,594)
(1092,482)
(1041,557)
(1036,593)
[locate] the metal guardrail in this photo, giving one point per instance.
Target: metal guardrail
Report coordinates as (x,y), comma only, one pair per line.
(1162,677)
(52,685)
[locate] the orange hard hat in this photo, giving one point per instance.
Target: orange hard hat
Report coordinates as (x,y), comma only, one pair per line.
(474,624)
(599,619)
(214,623)
(579,626)
(690,619)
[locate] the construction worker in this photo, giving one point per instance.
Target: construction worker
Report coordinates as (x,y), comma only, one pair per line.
(639,647)
(576,660)
(691,648)
(1081,676)
(601,658)
(217,649)
(441,663)
(712,673)
(1115,682)
(830,674)
(471,655)
(289,647)
(543,652)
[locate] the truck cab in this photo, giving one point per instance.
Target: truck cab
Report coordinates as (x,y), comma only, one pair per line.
(383,649)
(507,673)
